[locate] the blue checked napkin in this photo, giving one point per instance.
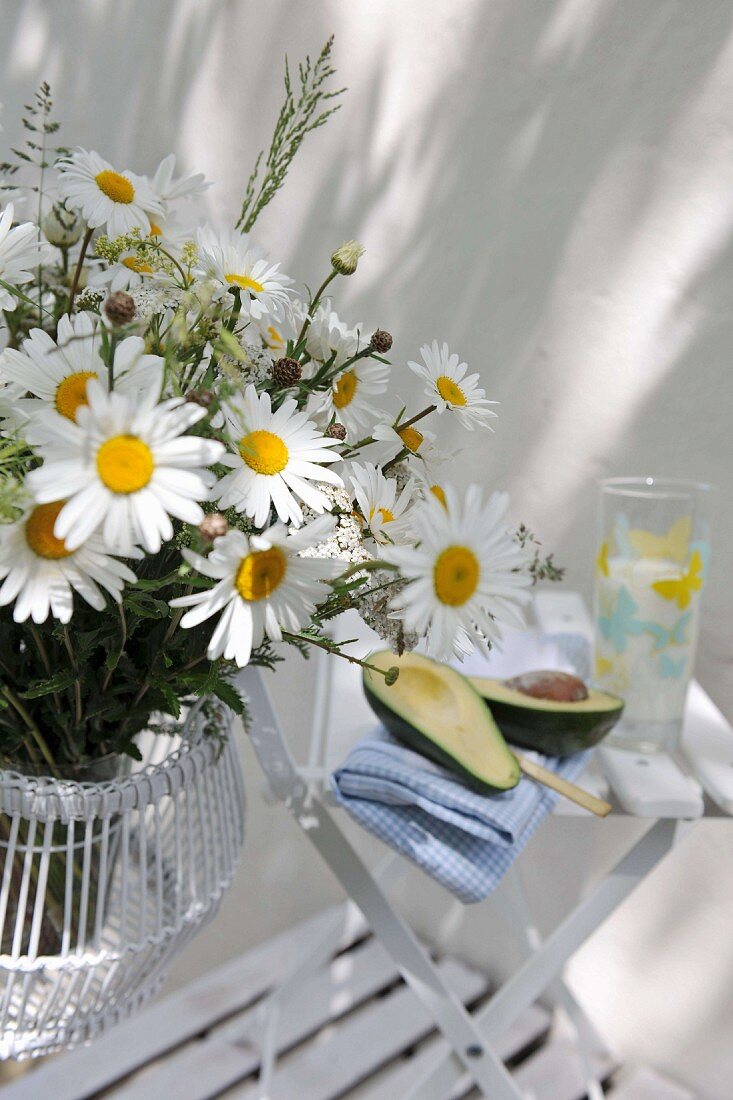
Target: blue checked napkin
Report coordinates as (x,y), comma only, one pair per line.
(467,841)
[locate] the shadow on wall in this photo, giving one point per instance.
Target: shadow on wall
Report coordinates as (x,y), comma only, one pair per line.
(545,186)
(540,185)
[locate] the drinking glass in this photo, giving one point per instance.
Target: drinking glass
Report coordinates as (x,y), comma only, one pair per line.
(652,563)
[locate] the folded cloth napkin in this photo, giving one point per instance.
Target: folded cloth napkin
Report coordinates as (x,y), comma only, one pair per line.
(465,840)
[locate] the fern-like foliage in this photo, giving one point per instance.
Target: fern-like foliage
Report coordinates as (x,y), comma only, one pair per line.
(313,107)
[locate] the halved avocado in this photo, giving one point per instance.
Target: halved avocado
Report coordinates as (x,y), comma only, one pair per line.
(557,728)
(435,711)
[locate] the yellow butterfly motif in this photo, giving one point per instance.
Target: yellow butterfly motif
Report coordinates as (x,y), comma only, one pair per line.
(604,667)
(681,588)
(674,545)
(602,560)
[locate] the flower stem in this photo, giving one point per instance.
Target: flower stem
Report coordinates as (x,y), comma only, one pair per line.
(31,726)
(315,302)
(75,667)
(79,265)
(236,309)
(363,567)
(414,419)
(335,651)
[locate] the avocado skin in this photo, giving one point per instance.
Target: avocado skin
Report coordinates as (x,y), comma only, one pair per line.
(419,742)
(521,727)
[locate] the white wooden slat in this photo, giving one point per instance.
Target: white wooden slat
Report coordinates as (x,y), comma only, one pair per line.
(174,1019)
(707,745)
(395,1081)
(648,1084)
(229,1054)
(369,1038)
(555,1072)
(651,785)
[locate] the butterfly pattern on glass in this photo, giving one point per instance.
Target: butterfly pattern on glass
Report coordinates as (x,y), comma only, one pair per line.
(671,669)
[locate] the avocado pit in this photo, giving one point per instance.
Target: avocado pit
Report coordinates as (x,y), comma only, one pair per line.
(558,687)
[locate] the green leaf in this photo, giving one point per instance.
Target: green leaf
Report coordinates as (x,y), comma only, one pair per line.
(59,682)
(228,695)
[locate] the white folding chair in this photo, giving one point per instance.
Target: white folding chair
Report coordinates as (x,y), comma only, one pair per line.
(471,1037)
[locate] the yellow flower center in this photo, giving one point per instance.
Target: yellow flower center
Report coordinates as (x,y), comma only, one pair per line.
(450,391)
(125,464)
(71,393)
(345,389)
(439,492)
(155,230)
(275,337)
(384,513)
(260,573)
(411,438)
(245,282)
(455,575)
(264,452)
(115,187)
(39,532)
(137,265)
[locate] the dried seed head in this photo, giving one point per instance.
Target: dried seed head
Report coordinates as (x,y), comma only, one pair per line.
(119,308)
(336,431)
(213,526)
(286,372)
(381,341)
(200,397)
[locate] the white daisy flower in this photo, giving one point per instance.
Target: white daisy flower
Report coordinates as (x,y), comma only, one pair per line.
(329,338)
(385,513)
(133,268)
(128,272)
(263,585)
(41,573)
(466,575)
(449,387)
(276,334)
(20,254)
(348,400)
(392,440)
(167,189)
(125,466)
(56,373)
(429,481)
(10,193)
(229,259)
(121,201)
(278,455)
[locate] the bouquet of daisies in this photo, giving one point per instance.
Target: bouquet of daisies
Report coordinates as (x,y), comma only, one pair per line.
(200,463)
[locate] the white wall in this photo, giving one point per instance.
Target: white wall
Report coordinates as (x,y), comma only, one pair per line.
(546,186)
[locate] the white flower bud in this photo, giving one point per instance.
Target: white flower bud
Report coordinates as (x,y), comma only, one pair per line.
(346,257)
(62,228)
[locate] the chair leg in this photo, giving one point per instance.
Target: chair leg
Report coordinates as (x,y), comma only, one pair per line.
(473,1056)
(536,975)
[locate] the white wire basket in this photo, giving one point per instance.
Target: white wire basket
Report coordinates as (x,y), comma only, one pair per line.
(104,883)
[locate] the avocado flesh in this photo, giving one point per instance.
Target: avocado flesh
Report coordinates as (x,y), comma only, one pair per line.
(436,712)
(546,725)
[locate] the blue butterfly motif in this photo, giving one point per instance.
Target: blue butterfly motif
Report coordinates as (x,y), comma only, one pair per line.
(664,637)
(621,536)
(671,670)
(621,622)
